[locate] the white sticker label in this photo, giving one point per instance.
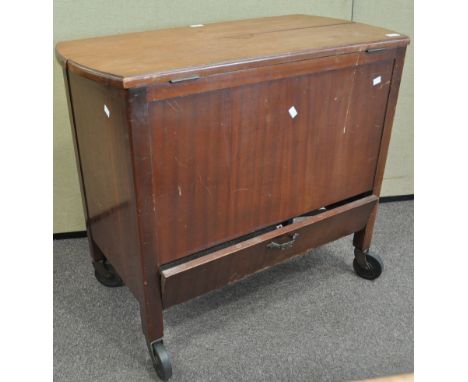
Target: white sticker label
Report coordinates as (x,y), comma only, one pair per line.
(292,112)
(392,34)
(377,80)
(197,25)
(107,111)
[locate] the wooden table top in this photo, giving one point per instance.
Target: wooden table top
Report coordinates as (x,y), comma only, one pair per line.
(138,59)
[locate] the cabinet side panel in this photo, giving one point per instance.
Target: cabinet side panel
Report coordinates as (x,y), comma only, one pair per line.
(362,239)
(102,135)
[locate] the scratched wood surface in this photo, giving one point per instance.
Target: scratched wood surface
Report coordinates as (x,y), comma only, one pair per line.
(137,59)
(198,276)
(231,161)
(107,178)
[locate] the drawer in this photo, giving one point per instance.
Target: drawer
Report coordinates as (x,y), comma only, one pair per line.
(200,275)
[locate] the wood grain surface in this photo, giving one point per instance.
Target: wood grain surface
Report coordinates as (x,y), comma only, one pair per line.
(363,238)
(103,147)
(195,277)
(229,162)
(137,59)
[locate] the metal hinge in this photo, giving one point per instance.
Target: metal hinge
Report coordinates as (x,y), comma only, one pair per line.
(375,50)
(176,80)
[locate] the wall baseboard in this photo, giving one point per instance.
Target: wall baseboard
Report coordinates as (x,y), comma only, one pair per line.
(70,235)
(81,234)
(398,198)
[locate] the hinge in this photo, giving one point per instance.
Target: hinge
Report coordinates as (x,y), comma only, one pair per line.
(375,50)
(176,80)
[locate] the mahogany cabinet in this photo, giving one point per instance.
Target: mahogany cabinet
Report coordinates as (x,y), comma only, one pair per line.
(209,152)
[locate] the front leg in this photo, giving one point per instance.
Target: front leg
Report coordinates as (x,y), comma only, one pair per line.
(151,312)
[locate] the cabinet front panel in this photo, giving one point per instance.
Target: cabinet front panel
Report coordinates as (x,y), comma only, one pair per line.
(231,161)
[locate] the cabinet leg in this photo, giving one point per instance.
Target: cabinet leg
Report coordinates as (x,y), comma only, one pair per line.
(151,312)
(153,327)
(362,239)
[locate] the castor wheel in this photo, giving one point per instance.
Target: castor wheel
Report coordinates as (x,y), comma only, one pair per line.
(106,274)
(366,266)
(161,360)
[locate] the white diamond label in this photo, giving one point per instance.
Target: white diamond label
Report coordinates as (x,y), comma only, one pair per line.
(292,112)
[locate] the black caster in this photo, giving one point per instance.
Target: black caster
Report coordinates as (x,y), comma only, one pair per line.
(161,360)
(366,266)
(106,274)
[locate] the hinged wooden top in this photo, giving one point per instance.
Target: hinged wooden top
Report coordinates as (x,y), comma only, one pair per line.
(138,59)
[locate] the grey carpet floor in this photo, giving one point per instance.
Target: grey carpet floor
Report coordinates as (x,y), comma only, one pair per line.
(309,319)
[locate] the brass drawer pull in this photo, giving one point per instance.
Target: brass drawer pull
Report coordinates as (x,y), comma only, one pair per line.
(282,246)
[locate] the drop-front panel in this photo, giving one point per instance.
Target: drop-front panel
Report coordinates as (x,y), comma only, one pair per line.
(230,161)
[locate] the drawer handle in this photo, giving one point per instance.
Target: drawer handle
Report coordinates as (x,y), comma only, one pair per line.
(282,246)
